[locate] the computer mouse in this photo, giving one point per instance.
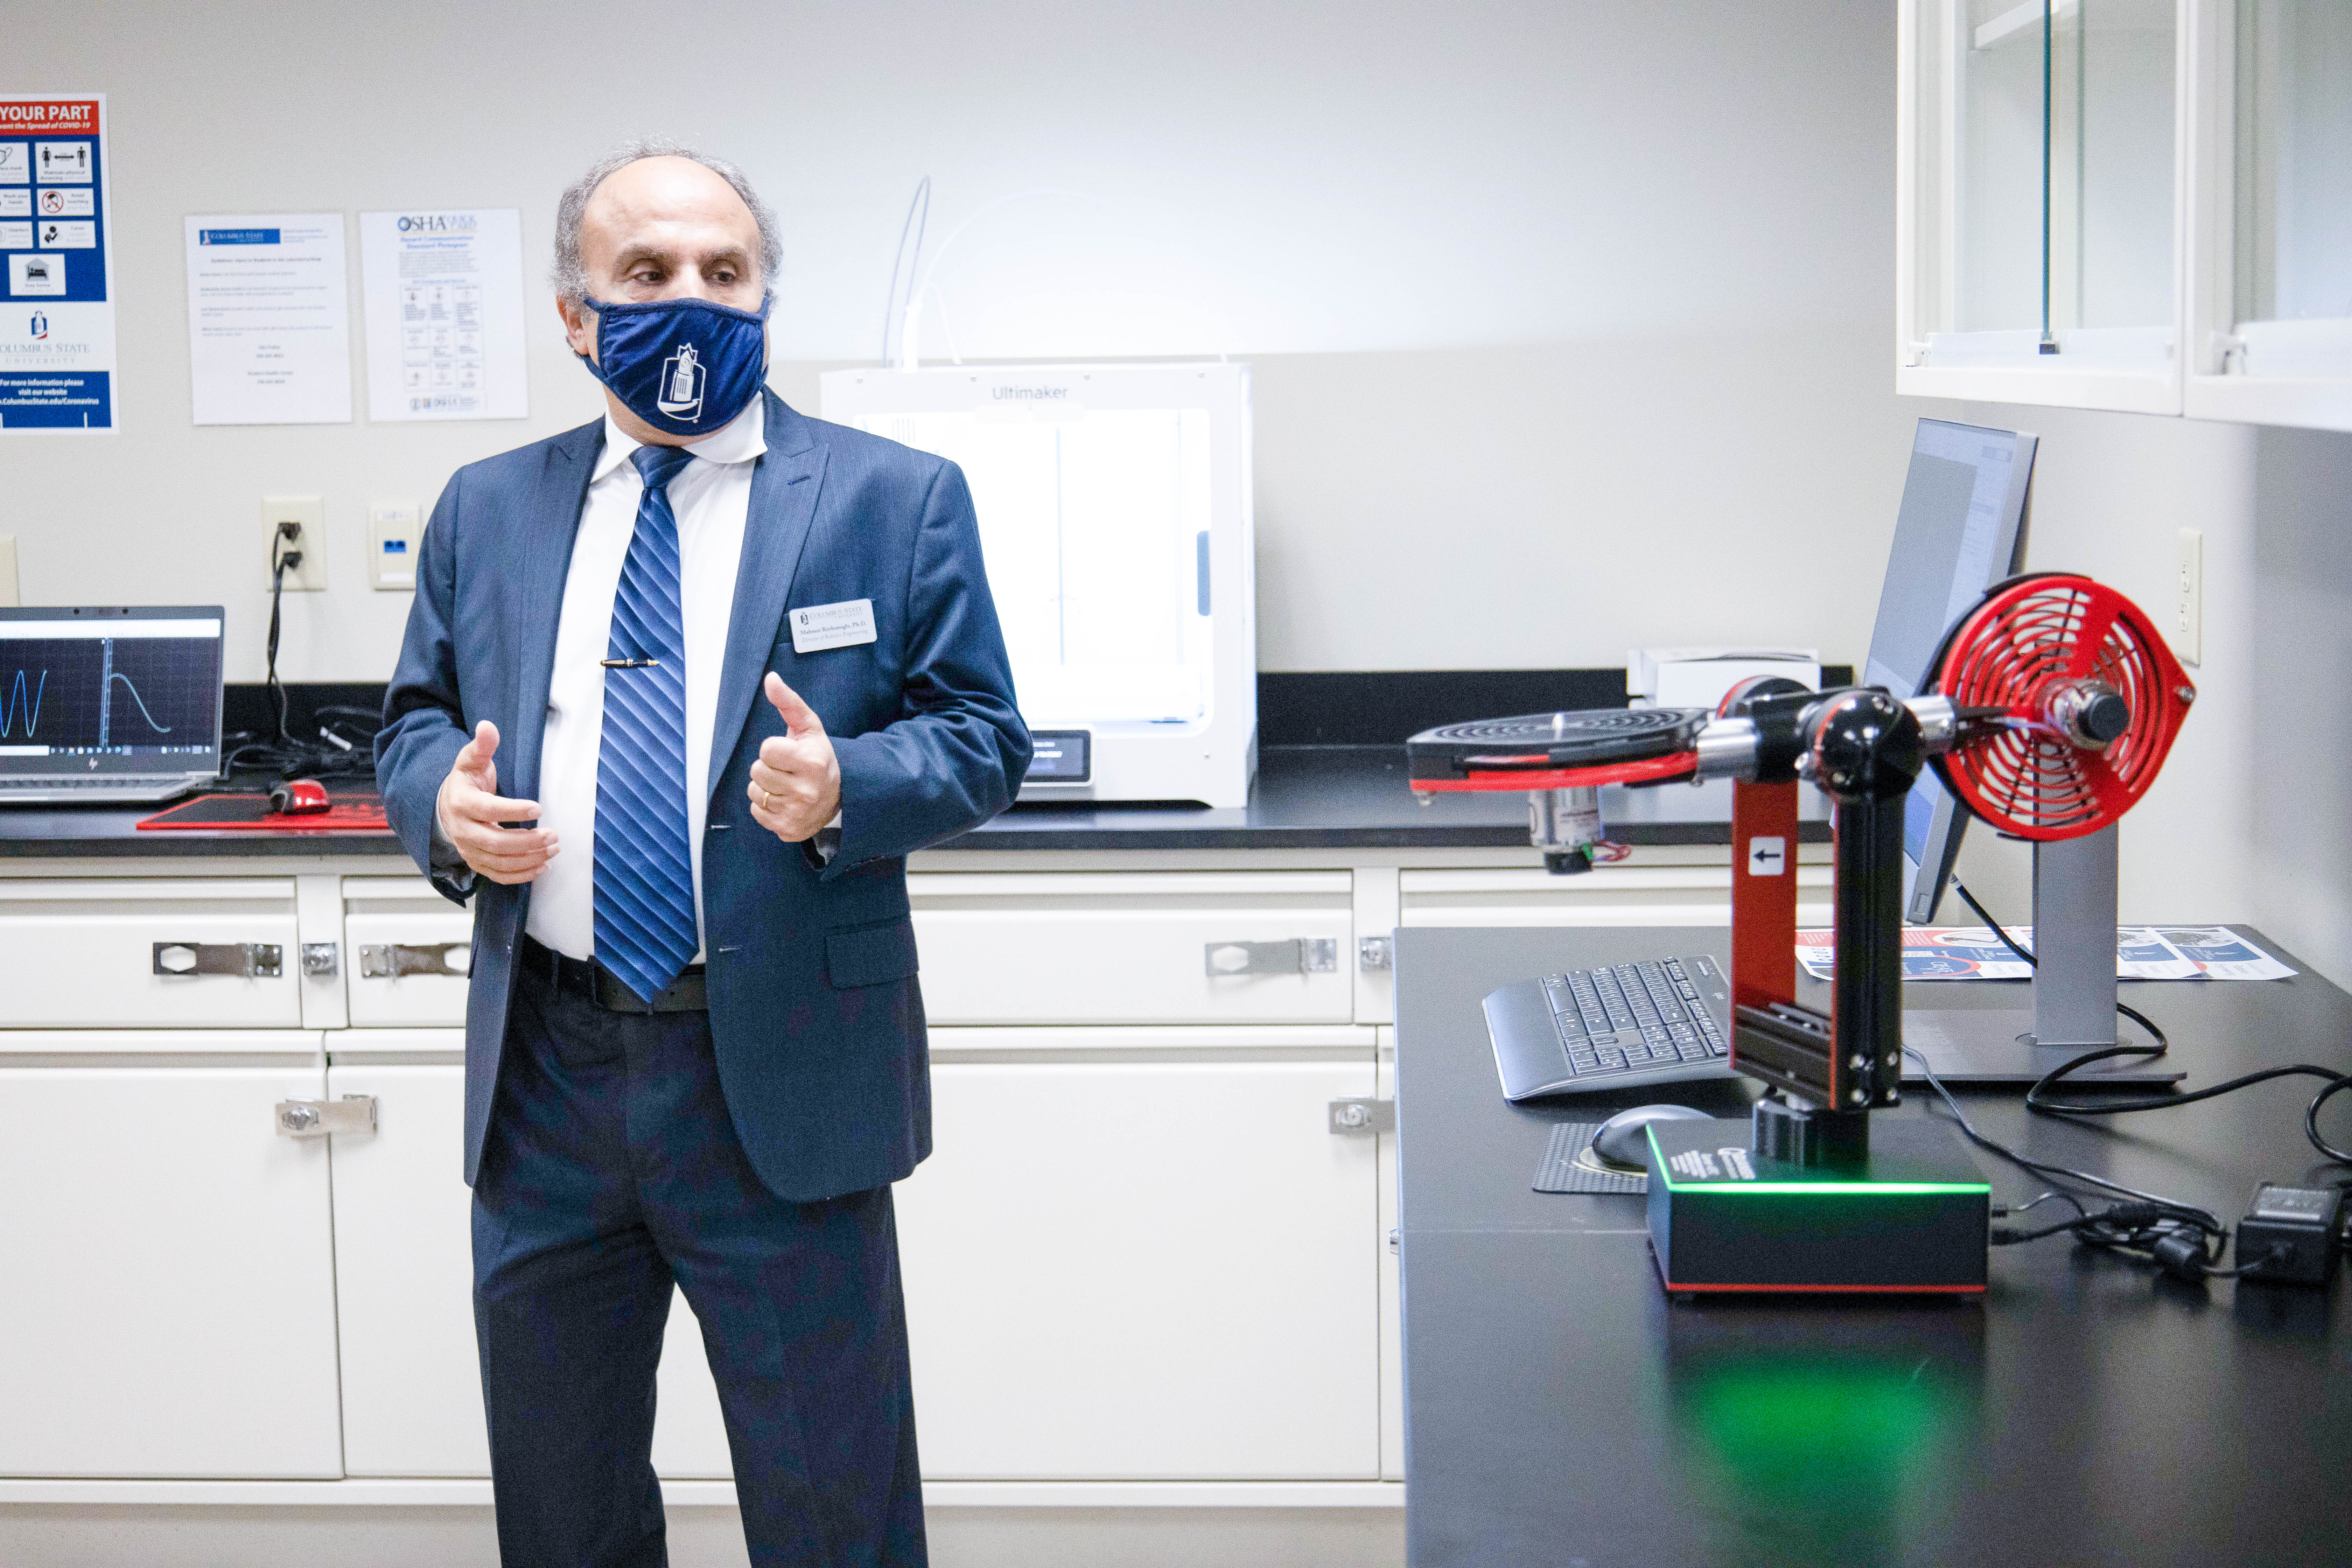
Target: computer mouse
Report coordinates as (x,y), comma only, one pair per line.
(1622,1141)
(299,798)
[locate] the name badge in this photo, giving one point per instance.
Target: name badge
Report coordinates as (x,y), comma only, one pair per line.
(821,627)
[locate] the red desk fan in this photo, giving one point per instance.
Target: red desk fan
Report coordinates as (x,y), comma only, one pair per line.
(2068,701)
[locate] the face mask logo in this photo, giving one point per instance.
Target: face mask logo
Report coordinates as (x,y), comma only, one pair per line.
(680,365)
(681,394)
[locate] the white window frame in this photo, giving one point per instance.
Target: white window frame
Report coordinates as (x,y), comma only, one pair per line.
(2214,389)
(2057,384)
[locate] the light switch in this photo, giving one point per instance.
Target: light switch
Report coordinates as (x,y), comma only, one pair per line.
(392,536)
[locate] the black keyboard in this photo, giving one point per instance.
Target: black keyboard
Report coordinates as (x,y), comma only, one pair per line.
(1618,1026)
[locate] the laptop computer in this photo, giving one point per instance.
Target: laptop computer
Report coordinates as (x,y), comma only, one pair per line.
(109,703)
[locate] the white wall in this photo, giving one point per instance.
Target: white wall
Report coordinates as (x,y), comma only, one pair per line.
(2111,492)
(2251,817)
(1566,316)
(2297,795)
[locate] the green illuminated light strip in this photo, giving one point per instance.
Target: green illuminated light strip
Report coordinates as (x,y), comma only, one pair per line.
(1858,1189)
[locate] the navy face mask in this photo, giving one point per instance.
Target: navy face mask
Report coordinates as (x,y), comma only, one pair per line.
(684,366)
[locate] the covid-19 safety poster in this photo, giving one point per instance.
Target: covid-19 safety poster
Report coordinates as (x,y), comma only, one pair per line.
(57,317)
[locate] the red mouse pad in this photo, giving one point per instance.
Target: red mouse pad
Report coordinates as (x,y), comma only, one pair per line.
(350,811)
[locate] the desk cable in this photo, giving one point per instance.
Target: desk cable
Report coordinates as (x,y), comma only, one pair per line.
(2181,1239)
(2039,1098)
(334,754)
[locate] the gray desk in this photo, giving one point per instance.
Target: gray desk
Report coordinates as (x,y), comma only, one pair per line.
(1561,1412)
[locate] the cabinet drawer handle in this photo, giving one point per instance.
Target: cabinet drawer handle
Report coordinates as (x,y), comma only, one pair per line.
(391,960)
(245,959)
(1298,955)
(317,1117)
(1358,1117)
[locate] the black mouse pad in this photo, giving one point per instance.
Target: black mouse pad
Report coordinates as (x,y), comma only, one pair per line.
(1569,1165)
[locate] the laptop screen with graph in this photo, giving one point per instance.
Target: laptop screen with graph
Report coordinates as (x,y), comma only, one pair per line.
(109,693)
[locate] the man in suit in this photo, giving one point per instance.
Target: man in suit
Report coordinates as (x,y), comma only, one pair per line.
(680,692)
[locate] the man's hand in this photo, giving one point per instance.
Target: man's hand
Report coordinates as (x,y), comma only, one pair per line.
(795,785)
(470,811)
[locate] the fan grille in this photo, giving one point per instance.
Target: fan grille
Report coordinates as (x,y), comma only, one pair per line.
(2025,640)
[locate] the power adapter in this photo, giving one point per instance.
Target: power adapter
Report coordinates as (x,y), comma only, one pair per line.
(2291,1235)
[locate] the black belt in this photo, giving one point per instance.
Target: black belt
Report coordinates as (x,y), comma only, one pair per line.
(586,977)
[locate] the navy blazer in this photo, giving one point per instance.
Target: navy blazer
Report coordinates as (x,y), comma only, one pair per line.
(815,1015)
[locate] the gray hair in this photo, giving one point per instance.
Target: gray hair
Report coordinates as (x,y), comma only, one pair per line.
(571,278)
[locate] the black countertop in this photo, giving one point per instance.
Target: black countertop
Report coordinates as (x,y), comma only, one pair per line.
(1561,1410)
(1308,797)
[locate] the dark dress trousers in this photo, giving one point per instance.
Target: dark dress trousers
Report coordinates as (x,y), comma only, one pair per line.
(745,1153)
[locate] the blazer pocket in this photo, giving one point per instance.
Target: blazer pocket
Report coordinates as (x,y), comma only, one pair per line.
(869,955)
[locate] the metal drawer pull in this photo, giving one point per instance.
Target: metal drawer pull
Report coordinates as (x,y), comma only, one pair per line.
(317,1117)
(245,959)
(391,960)
(1299,955)
(1350,1116)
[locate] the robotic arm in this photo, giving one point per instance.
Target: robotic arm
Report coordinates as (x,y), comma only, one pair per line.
(2048,711)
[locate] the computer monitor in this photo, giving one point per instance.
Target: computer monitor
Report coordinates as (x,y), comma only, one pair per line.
(110,692)
(1960,529)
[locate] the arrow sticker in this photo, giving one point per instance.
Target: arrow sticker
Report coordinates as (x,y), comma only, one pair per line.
(1767,857)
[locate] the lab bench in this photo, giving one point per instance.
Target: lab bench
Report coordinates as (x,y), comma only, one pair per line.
(1148,1262)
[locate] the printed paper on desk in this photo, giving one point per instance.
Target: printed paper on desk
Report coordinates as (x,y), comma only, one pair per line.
(816,628)
(1973,952)
(2220,954)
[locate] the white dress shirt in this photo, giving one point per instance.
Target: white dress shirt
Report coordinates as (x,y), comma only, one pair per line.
(712,498)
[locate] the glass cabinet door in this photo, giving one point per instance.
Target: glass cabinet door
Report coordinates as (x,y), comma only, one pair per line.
(2274,323)
(2040,223)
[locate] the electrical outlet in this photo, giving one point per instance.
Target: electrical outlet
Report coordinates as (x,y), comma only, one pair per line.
(2189,607)
(391,541)
(308,515)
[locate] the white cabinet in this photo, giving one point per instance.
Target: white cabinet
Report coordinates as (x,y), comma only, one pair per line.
(407,953)
(1230,947)
(1138,1254)
(1606,895)
(2270,177)
(404,1272)
(1135,1268)
(2138,204)
(167,1291)
(1015,948)
(2037,162)
(403,1276)
(149,952)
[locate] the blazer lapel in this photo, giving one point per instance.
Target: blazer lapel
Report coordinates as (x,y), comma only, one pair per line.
(544,561)
(783,506)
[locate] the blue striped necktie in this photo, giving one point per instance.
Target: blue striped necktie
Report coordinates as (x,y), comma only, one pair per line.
(644,867)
